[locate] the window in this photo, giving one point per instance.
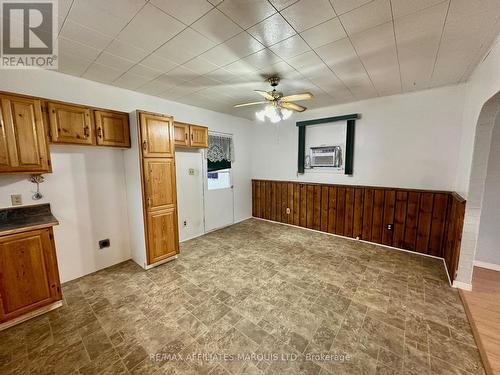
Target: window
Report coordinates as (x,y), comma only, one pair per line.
(219,159)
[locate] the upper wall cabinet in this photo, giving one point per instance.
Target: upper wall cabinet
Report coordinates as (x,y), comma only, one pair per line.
(156,135)
(70,124)
(23,142)
(187,135)
(112,128)
(181,134)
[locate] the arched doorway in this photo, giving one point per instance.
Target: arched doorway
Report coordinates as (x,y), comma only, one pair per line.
(477,182)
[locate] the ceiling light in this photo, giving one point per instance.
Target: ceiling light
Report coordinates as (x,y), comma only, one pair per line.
(273,113)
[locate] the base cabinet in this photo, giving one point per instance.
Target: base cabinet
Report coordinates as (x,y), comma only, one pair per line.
(162,235)
(29,277)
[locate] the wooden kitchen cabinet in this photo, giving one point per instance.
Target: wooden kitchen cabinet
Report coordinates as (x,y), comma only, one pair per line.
(112,128)
(70,123)
(188,135)
(163,238)
(156,135)
(198,136)
(29,278)
(23,141)
(159,182)
(181,134)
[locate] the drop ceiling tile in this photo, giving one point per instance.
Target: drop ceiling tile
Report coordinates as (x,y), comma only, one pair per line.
(417,38)
(309,58)
(342,58)
(159,85)
(262,59)
(377,50)
(158,26)
(113,61)
(216,26)
(186,11)
(282,4)
(325,33)
(221,75)
(63,7)
(199,65)
(126,51)
(106,17)
(183,47)
(272,30)
(71,47)
(247,13)
(182,74)
(243,45)
(145,72)
(220,55)
(157,62)
(308,13)
(344,6)
(370,15)
(281,69)
(462,45)
(290,47)
(72,65)
(459,9)
(102,73)
(84,35)
(240,67)
(404,7)
(130,81)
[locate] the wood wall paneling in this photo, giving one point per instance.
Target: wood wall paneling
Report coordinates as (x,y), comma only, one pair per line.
(428,222)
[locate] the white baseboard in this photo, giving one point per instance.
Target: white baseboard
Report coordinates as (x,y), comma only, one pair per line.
(461,285)
(490,266)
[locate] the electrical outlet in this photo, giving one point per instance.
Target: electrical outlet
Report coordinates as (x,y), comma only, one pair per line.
(16,199)
(104,243)
(288,211)
(191,171)
(390,226)
(185,223)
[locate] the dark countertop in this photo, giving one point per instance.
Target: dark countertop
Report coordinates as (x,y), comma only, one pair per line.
(15,219)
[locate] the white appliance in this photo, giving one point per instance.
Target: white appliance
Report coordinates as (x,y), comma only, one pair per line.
(326,156)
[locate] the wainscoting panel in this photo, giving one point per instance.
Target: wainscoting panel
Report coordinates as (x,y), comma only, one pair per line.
(427,222)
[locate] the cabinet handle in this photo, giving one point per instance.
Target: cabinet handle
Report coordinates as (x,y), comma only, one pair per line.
(149,201)
(186,136)
(86,131)
(99,132)
(191,136)
(145,145)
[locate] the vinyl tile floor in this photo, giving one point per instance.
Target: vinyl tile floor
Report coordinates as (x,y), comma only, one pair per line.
(254,298)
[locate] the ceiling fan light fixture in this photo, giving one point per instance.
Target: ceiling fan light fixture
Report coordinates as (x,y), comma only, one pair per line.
(285,113)
(261,115)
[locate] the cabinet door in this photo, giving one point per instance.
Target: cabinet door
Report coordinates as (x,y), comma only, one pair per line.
(159,180)
(162,235)
(29,277)
(181,134)
(70,124)
(23,143)
(157,136)
(112,129)
(199,136)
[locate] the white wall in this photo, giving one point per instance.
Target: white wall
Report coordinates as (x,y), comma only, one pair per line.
(410,140)
(87,189)
(189,193)
(488,244)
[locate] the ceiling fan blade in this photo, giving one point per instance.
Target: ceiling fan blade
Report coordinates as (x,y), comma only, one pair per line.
(248,104)
(265,94)
(297,97)
(293,107)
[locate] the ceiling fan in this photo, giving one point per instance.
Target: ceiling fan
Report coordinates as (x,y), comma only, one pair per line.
(279,107)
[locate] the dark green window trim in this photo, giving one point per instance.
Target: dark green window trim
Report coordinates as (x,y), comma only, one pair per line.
(349,153)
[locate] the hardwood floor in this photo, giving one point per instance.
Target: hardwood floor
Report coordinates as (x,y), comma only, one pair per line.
(483,308)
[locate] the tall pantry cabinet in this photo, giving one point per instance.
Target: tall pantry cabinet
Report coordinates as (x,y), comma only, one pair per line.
(151,189)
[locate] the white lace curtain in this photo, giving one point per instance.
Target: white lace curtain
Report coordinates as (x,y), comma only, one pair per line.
(220,147)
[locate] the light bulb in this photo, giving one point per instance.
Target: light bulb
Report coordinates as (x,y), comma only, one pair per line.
(285,113)
(270,111)
(261,115)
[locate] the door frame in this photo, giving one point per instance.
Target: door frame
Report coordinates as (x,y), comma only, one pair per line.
(205,188)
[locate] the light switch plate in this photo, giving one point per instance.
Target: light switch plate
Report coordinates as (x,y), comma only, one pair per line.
(16,199)
(191,171)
